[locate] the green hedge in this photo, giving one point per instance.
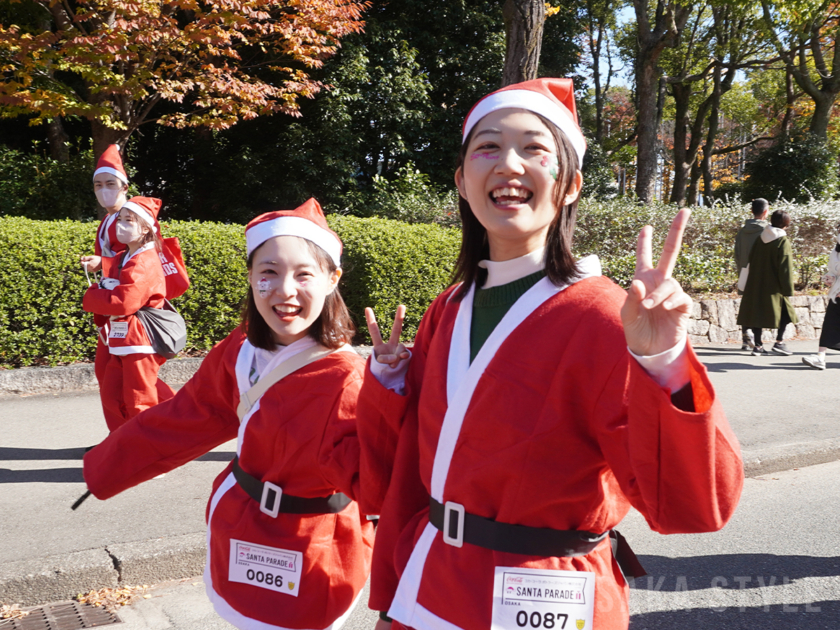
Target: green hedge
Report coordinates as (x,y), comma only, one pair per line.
(386,263)
(42,322)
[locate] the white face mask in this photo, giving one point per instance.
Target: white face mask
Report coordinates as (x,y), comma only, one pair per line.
(107,197)
(128,232)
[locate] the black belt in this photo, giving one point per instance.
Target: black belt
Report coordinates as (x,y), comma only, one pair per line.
(267,495)
(459,527)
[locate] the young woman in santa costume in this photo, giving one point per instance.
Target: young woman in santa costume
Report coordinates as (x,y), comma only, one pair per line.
(110,184)
(131,280)
(538,403)
(287,544)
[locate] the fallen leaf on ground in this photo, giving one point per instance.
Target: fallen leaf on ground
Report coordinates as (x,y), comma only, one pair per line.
(112,598)
(12,612)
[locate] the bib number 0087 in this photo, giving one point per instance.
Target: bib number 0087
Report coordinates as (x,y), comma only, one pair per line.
(536,620)
(267,578)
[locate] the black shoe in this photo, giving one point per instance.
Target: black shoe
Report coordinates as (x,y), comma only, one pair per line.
(780,348)
(759,351)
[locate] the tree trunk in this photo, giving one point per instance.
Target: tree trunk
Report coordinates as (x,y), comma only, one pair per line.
(103,137)
(682,165)
(524,21)
(670,19)
(647,81)
(790,98)
(823,105)
(58,140)
(694,185)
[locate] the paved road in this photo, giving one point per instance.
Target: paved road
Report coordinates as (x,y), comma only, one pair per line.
(766,569)
(783,413)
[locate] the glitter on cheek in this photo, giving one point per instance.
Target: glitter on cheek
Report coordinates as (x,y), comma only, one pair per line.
(263,287)
(485,155)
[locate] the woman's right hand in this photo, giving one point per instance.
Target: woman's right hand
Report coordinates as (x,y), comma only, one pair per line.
(91,263)
(393,352)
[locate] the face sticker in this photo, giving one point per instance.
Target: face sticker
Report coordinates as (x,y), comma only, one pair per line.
(486,155)
(264,287)
(551,162)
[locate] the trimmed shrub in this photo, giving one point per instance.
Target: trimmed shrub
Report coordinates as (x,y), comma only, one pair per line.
(388,263)
(42,188)
(41,286)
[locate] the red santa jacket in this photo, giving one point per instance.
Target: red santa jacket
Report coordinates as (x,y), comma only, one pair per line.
(106,245)
(553,425)
(171,258)
(106,237)
(301,435)
(141,283)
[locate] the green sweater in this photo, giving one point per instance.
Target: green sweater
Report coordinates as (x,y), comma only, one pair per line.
(490,306)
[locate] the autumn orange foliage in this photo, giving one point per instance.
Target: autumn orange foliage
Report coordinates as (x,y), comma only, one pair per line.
(112,61)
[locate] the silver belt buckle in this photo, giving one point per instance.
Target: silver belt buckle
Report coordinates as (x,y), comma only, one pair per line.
(448,508)
(268,489)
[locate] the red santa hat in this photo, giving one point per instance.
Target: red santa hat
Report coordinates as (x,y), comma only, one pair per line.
(111,162)
(146,208)
(553,99)
(307,221)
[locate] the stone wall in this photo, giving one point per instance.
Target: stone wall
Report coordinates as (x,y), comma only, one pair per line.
(714,321)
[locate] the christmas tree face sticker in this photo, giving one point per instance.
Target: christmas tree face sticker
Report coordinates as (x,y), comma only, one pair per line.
(550,162)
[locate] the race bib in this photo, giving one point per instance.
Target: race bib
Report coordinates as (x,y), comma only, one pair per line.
(274,569)
(542,598)
(119,330)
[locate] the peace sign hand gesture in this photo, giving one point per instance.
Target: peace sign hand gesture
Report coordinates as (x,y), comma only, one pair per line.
(656,312)
(393,352)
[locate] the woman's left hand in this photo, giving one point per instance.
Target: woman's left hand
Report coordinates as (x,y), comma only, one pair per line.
(656,312)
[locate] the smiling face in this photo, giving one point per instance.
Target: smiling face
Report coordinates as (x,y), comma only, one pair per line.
(508,178)
(289,286)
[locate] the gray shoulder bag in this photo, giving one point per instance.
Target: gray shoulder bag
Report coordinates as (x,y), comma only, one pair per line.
(165,327)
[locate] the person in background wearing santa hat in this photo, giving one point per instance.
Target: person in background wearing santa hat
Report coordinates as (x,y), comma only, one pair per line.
(288,546)
(131,280)
(539,402)
(110,184)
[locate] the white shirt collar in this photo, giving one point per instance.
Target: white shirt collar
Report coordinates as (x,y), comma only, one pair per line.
(499,273)
(146,246)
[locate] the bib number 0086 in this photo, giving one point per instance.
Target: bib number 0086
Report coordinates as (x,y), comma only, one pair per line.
(265,578)
(546,620)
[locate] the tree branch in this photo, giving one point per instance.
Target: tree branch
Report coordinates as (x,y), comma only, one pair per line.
(738,147)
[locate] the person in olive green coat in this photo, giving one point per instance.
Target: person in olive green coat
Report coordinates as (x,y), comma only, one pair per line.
(765,302)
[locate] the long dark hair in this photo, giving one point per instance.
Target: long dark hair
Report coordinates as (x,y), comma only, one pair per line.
(332,329)
(560,264)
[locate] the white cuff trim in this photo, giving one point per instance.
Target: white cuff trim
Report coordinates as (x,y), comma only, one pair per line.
(391,378)
(670,368)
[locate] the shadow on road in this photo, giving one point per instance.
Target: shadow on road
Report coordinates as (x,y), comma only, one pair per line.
(13,454)
(823,614)
(49,475)
(732,571)
(729,367)
(10,454)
